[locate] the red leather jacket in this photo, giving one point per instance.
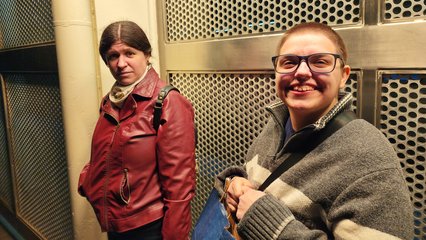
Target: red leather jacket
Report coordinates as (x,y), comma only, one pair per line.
(135,175)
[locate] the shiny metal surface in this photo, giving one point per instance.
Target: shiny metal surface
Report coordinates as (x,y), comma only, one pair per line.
(369,47)
(396,45)
(368,96)
(37,192)
(25,23)
(37,154)
(402,118)
(229,113)
(6,187)
(401,11)
(217,19)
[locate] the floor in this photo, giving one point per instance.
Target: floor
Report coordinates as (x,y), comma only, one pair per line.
(4,235)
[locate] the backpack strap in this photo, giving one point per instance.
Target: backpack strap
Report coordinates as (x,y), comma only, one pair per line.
(158,107)
(335,124)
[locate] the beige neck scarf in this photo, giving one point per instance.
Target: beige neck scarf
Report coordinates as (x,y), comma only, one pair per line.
(119,93)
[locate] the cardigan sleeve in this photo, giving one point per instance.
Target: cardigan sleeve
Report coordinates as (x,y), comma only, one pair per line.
(233,171)
(372,207)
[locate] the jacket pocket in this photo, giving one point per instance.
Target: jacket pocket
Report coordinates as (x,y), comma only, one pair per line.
(125,187)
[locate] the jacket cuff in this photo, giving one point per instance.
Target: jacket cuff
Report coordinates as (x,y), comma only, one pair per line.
(265,219)
(177,219)
(233,171)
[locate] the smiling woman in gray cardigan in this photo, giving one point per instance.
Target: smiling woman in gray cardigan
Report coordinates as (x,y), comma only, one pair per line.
(350,186)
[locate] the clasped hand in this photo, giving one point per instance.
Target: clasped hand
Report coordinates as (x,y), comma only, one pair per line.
(241,194)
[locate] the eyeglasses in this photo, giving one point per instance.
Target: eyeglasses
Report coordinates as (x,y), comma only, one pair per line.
(317,63)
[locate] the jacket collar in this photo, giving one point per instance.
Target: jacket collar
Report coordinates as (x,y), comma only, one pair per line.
(297,141)
(280,113)
(145,89)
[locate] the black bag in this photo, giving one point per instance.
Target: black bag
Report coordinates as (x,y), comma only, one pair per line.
(158,107)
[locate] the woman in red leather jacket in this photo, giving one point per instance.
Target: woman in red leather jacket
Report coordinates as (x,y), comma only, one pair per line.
(139,181)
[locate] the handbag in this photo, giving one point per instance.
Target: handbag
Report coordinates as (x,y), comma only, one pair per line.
(213,223)
(216,222)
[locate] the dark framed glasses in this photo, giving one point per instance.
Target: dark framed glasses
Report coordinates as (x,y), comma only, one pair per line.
(317,62)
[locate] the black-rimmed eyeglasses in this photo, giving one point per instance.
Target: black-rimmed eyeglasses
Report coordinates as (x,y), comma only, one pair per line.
(318,62)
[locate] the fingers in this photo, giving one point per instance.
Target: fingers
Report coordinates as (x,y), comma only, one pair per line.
(247,199)
(234,191)
(245,189)
(239,214)
(235,187)
(248,184)
(233,194)
(232,204)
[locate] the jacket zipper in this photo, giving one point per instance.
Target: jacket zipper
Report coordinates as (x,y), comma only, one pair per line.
(107,179)
(125,185)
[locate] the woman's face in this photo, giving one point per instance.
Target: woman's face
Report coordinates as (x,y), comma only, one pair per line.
(126,64)
(306,93)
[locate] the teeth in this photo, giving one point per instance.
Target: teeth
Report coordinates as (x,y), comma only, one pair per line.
(303,88)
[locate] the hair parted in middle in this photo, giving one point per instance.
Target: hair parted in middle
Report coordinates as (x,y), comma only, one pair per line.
(127,32)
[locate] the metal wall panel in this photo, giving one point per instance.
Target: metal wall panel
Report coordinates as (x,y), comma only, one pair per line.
(352,87)
(229,114)
(199,20)
(25,22)
(37,185)
(403,121)
(38,154)
(400,11)
(205,42)
(6,187)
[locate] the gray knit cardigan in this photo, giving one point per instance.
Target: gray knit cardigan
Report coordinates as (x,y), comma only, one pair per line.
(349,187)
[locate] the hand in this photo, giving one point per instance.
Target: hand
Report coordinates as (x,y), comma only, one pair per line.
(235,191)
(248,197)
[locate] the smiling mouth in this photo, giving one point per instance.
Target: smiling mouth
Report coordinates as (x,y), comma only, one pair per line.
(302,88)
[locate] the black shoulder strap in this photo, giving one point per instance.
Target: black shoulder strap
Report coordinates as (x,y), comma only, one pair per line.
(335,124)
(158,107)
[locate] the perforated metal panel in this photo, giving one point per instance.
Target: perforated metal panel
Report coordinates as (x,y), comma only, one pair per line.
(352,88)
(25,22)
(38,149)
(6,190)
(195,20)
(401,10)
(403,121)
(230,113)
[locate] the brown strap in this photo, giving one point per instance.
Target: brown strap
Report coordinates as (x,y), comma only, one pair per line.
(233,221)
